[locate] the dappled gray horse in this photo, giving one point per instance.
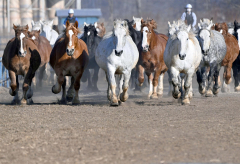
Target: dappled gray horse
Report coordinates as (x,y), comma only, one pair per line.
(214,50)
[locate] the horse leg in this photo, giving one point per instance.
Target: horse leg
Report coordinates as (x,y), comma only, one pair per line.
(170,83)
(60,80)
(216,74)
(132,79)
(228,76)
(109,93)
(201,79)
(175,82)
(77,78)
(52,76)
(235,75)
(124,95)
(120,85)
(160,85)
(40,75)
(155,83)
(137,84)
(63,99)
(140,79)
(95,78)
(27,90)
(71,91)
(16,98)
(112,83)
(187,86)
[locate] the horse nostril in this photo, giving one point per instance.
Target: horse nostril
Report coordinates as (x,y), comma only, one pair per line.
(121,52)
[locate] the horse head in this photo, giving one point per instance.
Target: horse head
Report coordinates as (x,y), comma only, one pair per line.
(34,34)
(21,32)
(46,29)
(137,23)
(100,28)
(89,33)
(36,25)
(205,36)
(148,28)
(222,28)
(230,28)
(120,31)
(71,40)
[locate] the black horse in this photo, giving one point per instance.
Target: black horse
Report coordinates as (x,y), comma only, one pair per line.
(137,39)
(236,63)
(92,40)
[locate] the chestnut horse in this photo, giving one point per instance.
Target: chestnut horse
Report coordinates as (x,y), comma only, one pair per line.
(151,58)
(69,57)
(232,52)
(45,49)
(21,57)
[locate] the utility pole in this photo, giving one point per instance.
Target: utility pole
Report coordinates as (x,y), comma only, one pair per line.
(78,4)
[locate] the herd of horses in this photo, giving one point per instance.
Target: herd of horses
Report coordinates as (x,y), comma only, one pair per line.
(132,51)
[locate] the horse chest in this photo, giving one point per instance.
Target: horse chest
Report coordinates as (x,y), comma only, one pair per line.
(20,65)
(149,63)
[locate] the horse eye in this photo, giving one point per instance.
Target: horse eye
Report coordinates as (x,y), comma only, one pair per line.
(187,38)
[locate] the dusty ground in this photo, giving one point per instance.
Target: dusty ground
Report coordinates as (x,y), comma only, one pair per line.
(138,131)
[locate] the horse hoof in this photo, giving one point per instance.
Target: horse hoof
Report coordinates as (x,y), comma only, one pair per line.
(186,101)
(209,93)
(95,90)
(76,102)
(23,101)
(29,93)
(69,99)
(12,93)
(215,91)
(201,90)
(15,102)
(237,89)
(114,104)
(190,95)
(176,95)
(124,98)
(29,101)
(224,90)
(63,101)
(154,96)
(55,91)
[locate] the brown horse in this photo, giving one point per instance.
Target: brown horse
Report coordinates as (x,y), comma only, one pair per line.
(232,52)
(101,30)
(69,57)
(151,58)
(21,57)
(45,49)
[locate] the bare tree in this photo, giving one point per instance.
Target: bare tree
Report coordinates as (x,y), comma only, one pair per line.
(139,7)
(110,2)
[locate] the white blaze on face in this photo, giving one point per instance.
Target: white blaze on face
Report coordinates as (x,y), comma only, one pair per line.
(21,46)
(138,25)
(88,33)
(144,41)
(205,36)
(33,38)
(238,31)
(70,34)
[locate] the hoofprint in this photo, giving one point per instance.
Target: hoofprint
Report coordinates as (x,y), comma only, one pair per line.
(117,54)
(214,50)
(182,55)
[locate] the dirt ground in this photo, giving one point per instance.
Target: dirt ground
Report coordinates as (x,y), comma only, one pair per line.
(140,130)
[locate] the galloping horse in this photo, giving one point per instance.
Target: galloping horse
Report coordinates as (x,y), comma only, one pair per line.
(45,49)
(214,50)
(236,63)
(117,54)
(36,26)
(100,28)
(92,40)
(231,55)
(182,55)
(69,57)
(21,57)
(151,58)
(48,32)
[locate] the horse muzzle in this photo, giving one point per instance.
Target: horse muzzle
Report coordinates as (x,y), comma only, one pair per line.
(145,48)
(22,54)
(70,51)
(205,52)
(118,53)
(182,57)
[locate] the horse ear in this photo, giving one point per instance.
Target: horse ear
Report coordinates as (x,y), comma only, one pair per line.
(14,27)
(41,22)
(38,31)
(221,31)
(201,20)
(95,24)
(133,18)
(85,24)
(169,24)
(209,27)
(26,27)
(76,24)
(32,23)
(142,21)
(114,23)
(199,26)
(189,28)
(67,23)
(125,23)
(154,24)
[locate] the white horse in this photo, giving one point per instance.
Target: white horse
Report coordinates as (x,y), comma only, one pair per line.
(36,26)
(138,23)
(117,54)
(48,32)
(182,55)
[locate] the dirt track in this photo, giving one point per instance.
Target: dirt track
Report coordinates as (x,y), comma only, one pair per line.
(138,131)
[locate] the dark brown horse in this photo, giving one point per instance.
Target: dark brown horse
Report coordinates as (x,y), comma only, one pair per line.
(232,52)
(21,57)
(69,57)
(45,49)
(151,58)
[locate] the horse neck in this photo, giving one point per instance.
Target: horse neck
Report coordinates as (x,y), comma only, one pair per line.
(153,41)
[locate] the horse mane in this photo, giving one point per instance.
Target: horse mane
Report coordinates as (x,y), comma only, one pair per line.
(150,22)
(126,28)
